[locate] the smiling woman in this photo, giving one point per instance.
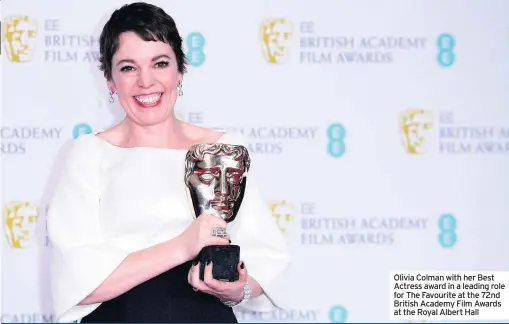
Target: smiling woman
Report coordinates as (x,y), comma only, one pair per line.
(123,234)
(145,72)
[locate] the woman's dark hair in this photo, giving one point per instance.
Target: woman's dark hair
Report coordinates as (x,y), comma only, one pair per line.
(149,22)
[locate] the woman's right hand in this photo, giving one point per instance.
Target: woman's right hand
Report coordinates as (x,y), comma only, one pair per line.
(199,235)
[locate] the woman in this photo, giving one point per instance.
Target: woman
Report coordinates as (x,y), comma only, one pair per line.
(122,231)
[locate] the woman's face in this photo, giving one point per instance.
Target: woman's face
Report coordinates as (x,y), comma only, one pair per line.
(145,76)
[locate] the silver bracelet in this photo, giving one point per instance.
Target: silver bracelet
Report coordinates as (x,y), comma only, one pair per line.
(247,295)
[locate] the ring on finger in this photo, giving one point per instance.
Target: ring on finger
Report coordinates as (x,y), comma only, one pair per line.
(219,232)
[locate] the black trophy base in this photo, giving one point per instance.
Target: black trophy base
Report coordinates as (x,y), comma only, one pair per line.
(225,260)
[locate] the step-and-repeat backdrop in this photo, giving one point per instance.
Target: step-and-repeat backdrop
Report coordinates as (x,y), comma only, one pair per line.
(381,128)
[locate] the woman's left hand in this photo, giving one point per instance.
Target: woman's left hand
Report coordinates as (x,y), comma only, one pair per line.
(231,291)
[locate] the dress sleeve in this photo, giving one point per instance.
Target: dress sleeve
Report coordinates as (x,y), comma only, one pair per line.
(82,257)
(263,247)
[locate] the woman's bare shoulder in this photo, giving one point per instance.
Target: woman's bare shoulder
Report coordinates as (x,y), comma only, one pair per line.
(110,135)
(199,134)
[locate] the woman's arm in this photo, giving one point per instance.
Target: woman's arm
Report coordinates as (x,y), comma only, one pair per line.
(145,264)
(263,247)
(138,267)
(256,289)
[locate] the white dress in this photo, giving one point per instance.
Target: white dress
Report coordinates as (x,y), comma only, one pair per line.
(112,201)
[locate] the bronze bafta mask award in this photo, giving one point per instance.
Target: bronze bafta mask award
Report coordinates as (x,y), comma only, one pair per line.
(215,176)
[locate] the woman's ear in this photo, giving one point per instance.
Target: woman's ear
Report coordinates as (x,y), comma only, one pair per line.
(111,85)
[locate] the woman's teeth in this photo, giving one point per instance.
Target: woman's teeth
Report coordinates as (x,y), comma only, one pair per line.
(150,99)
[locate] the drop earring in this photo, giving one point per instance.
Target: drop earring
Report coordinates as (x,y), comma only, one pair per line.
(111,96)
(180,92)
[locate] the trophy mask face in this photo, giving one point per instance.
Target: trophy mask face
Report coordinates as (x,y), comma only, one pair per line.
(215,178)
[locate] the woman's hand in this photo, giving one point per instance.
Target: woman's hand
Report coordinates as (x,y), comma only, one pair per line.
(230,291)
(199,235)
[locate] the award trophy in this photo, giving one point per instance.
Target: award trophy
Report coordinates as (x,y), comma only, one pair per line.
(216,181)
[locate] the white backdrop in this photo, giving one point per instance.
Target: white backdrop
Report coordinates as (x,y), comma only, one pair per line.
(380,119)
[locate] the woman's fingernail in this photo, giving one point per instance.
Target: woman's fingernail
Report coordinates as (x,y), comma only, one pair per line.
(230,241)
(242,265)
(195,262)
(208,262)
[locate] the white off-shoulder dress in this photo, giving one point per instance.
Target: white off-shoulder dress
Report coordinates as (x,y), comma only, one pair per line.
(112,201)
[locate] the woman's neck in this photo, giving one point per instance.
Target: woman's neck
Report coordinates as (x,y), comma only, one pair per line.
(165,135)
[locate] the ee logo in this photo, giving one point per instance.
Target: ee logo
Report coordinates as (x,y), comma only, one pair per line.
(337,314)
(336,140)
(81,129)
(445,45)
(195,54)
(447,225)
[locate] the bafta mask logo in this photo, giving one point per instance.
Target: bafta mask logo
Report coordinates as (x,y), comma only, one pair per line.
(415,126)
(215,175)
(19,38)
(20,220)
(276,38)
(284,213)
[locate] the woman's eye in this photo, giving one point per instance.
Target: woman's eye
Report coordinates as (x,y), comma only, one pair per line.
(126,68)
(162,64)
